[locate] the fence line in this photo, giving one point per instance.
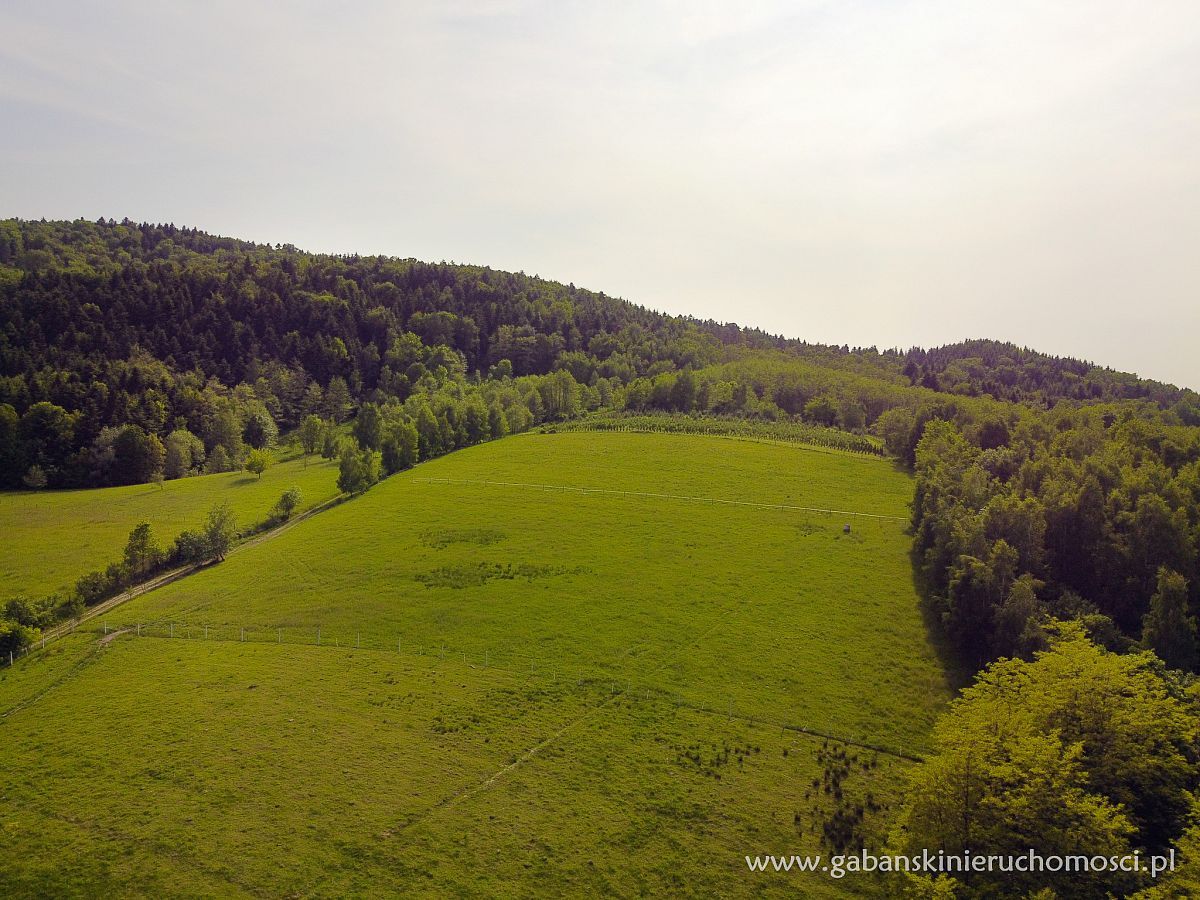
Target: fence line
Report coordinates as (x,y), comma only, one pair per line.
(510,663)
(561,488)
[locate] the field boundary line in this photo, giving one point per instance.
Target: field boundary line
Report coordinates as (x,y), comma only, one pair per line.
(563,488)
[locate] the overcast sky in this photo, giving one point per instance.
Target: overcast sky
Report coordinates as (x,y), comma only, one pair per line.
(883,172)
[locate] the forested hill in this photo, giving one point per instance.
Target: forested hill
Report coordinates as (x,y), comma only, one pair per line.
(76,296)
(77,290)
(1045,487)
(1008,372)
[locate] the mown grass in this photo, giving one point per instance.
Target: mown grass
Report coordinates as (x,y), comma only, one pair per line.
(625,736)
(54,537)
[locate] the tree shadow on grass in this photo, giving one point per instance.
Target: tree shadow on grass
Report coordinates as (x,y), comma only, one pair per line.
(958,672)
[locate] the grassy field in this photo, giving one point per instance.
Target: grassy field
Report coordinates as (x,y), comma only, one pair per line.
(516,690)
(53,537)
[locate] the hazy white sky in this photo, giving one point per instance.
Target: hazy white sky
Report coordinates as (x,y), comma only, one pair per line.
(880,172)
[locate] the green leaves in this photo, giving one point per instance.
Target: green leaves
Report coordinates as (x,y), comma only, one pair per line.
(1079,751)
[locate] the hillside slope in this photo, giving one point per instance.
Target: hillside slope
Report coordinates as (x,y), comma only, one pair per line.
(515,685)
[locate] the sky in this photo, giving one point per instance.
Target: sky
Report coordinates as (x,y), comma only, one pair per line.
(881,173)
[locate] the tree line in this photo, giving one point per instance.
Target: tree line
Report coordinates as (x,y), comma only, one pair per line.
(1087,512)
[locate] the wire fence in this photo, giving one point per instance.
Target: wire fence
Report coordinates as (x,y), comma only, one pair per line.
(504,661)
(613,492)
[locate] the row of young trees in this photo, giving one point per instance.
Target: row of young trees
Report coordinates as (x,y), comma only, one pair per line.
(22,619)
(391,436)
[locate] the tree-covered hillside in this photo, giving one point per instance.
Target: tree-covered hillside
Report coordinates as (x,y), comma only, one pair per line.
(1046,487)
(109,327)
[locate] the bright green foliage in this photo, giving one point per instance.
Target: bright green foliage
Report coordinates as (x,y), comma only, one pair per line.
(184,454)
(220,529)
(475,426)
(259,430)
(287,503)
(428,436)
(311,433)
(1080,750)
(15,637)
(225,432)
(498,425)
(559,396)
(400,447)
(1094,502)
(331,443)
(258,461)
(368,427)
(141,553)
(358,470)
(822,411)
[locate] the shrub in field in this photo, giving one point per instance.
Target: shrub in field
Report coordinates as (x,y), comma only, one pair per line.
(287,503)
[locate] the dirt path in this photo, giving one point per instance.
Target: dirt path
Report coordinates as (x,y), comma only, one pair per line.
(111,636)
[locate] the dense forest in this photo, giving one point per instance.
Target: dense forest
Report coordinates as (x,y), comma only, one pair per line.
(1047,488)
(116,337)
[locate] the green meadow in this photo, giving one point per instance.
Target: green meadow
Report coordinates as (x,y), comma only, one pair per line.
(489,689)
(54,537)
